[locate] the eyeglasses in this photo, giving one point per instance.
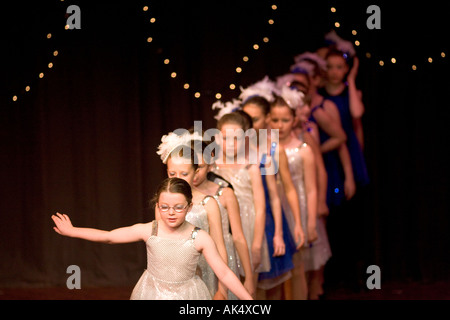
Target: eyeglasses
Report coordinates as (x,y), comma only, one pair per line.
(179,208)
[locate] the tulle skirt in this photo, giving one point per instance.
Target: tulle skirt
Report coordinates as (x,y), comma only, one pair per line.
(150,288)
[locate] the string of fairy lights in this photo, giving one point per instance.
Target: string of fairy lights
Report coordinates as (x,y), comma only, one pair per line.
(383,61)
(53,52)
(238,69)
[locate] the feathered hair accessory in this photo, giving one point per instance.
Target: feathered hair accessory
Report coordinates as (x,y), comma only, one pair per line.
(225,108)
(345,46)
(263,88)
(310,56)
(284,80)
(305,67)
(294,98)
(172,141)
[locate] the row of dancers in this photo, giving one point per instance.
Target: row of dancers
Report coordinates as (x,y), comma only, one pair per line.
(228,226)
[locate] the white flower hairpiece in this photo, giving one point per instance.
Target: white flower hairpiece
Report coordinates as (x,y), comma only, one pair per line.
(293,98)
(225,108)
(312,57)
(342,45)
(263,88)
(172,141)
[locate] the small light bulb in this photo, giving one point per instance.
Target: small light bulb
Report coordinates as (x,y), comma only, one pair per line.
(218,96)
(337,24)
(333,9)
(238,69)
(232,86)
(173,74)
(186,86)
(197,95)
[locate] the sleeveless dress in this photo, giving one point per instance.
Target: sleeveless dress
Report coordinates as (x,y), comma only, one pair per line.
(342,102)
(242,185)
(279,266)
(198,217)
(333,166)
(315,254)
(170,273)
(228,239)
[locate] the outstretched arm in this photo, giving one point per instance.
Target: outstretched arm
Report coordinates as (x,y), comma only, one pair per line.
(205,244)
(133,233)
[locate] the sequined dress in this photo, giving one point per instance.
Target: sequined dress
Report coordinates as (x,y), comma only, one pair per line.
(241,182)
(170,273)
(198,217)
(317,253)
(228,239)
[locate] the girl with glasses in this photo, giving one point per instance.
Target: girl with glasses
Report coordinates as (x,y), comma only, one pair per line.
(173,248)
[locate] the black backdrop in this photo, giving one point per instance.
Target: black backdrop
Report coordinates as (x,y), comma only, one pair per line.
(82,141)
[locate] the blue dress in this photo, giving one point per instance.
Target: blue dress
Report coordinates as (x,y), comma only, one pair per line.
(333,166)
(342,101)
(283,264)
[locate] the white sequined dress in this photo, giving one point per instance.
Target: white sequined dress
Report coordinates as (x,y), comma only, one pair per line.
(316,254)
(242,185)
(198,217)
(171,270)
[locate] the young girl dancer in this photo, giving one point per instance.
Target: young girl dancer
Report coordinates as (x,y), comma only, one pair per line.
(173,248)
(231,221)
(246,181)
(341,88)
(271,284)
(182,162)
(303,171)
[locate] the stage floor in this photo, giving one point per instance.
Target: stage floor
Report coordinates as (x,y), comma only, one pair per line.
(389,291)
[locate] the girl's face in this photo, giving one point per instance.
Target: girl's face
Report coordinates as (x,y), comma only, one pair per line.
(257,115)
(303,113)
(337,69)
(178,168)
(233,139)
(201,174)
(301,83)
(282,118)
(173,208)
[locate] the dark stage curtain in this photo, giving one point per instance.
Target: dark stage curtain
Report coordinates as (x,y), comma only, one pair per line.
(83,141)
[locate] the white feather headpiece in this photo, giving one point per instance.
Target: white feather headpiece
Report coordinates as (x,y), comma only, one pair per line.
(313,57)
(303,67)
(294,98)
(172,141)
(341,44)
(284,80)
(225,108)
(263,88)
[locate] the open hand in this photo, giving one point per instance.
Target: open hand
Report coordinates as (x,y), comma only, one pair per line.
(63,224)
